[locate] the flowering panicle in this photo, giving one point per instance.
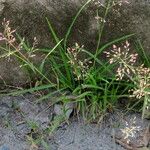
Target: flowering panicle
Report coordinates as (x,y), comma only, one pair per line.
(139,75)
(8,32)
(9,38)
(121,56)
(79,67)
(114,2)
(130,130)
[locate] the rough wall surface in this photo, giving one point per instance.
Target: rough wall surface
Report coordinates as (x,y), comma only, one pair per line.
(28,17)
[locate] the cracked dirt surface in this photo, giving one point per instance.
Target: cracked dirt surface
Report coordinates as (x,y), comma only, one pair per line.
(21,118)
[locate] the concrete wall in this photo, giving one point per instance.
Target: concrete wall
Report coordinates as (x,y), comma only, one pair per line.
(28,17)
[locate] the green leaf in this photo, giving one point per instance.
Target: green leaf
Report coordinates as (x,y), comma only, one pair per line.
(73,22)
(30,90)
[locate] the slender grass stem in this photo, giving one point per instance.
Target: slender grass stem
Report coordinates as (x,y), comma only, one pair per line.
(101,27)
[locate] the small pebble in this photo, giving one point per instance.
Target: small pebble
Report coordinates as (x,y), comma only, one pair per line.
(4,147)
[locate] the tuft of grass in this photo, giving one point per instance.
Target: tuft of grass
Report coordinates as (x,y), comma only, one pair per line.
(91,81)
(137,74)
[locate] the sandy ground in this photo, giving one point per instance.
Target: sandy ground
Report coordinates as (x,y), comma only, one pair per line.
(21,118)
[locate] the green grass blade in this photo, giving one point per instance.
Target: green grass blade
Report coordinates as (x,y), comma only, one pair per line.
(97,60)
(45,145)
(51,94)
(141,52)
(145,104)
(25,46)
(73,22)
(30,64)
(30,90)
(61,50)
(88,86)
(102,24)
(51,51)
(58,69)
(114,42)
(52,31)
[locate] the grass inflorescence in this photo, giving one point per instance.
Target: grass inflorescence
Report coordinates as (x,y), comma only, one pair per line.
(92,81)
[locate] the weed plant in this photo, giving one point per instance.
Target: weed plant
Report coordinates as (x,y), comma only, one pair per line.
(92,82)
(139,75)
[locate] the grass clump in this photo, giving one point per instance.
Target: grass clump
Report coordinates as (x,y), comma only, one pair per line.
(139,75)
(94,87)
